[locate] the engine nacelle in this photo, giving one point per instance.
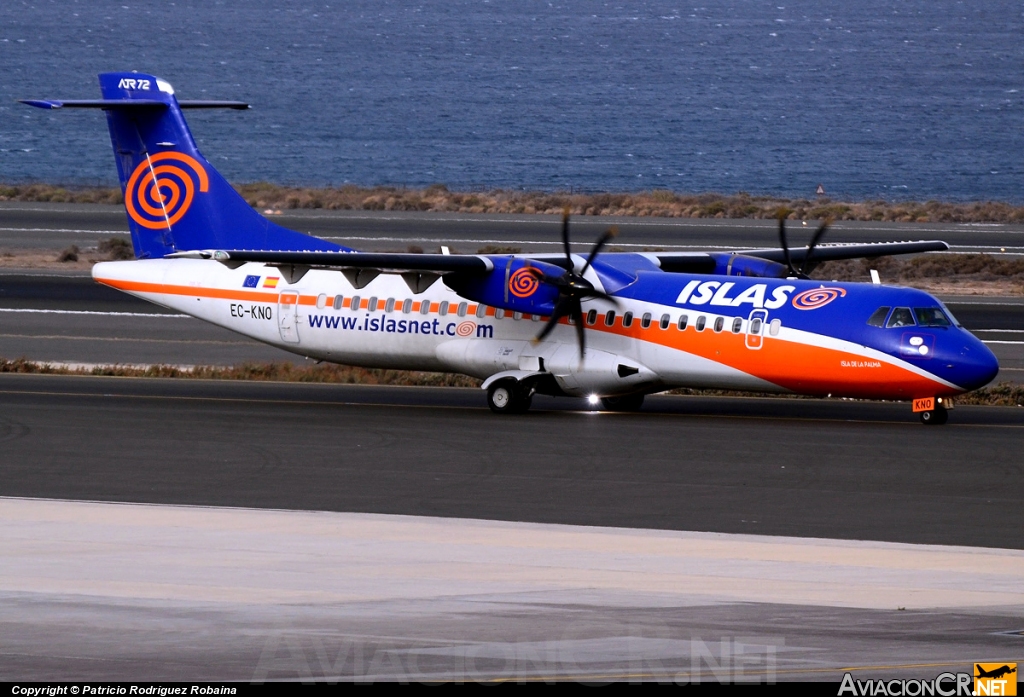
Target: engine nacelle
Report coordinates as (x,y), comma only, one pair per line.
(511,285)
(741,265)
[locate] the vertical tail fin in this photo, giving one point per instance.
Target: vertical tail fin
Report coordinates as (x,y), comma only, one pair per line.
(175,200)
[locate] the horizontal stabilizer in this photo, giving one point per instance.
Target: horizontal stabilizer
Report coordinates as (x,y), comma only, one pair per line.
(129,104)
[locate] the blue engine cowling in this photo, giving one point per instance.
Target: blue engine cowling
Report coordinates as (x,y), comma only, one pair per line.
(741,265)
(510,286)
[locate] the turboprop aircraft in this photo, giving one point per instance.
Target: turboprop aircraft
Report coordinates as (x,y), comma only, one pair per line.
(607,326)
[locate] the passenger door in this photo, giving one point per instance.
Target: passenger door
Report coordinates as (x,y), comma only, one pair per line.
(287,316)
(755,328)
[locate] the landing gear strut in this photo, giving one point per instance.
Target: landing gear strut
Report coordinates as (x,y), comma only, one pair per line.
(509,397)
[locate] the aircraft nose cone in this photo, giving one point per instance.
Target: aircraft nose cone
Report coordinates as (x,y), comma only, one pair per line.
(977,365)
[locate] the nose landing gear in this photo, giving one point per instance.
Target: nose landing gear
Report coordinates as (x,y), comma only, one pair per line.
(935,417)
(933,411)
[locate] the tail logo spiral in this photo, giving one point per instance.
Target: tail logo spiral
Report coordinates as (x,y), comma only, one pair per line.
(161,189)
(817,297)
(523,283)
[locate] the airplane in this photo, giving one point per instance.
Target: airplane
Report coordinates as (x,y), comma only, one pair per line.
(610,327)
(994,673)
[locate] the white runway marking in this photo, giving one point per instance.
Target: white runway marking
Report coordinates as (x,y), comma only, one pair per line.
(197,554)
(93,312)
(73,337)
(57,229)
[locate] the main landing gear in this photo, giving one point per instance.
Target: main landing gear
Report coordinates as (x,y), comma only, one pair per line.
(509,397)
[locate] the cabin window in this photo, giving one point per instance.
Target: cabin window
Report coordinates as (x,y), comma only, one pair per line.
(339,302)
(372,306)
(481,310)
(665,321)
(321,301)
(424,307)
(443,309)
(755,326)
(535,318)
(877,318)
(627,319)
(701,321)
(719,324)
(407,305)
(517,316)
(737,325)
(683,319)
(462,309)
(570,319)
(900,317)
(355,303)
(930,317)
(499,313)
(389,306)
(645,321)
(592,317)
(774,327)
(609,318)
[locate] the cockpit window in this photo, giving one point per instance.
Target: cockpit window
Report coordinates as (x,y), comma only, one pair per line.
(949,314)
(900,317)
(877,318)
(931,317)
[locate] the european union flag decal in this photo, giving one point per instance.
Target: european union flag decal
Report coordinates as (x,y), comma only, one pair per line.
(251,282)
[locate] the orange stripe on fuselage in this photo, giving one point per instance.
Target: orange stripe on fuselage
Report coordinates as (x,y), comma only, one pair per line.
(792,365)
(197,291)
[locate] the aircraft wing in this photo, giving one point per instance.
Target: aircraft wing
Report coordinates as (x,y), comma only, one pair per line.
(672,262)
(436,263)
(697,262)
(837,252)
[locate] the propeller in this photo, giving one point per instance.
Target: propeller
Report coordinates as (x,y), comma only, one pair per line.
(572,287)
(805,267)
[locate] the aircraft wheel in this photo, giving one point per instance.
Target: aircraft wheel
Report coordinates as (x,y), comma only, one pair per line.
(627,402)
(936,417)
(508,397)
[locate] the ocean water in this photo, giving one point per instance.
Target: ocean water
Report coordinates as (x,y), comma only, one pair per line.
(908,99)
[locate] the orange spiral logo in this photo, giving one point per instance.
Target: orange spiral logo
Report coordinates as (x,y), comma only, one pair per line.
(523,283)
(158,195)
(817,297)
(466,328)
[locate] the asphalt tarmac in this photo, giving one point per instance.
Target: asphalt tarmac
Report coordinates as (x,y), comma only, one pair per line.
(810,468)
(168,593)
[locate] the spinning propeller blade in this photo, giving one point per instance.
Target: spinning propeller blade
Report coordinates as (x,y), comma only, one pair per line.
(818,234)
(573,289)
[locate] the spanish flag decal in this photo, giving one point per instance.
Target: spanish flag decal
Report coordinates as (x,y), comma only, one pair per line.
(271,282)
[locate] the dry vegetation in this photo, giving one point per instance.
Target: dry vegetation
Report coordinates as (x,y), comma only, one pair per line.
(1003,394)
(660,203)
(278,372)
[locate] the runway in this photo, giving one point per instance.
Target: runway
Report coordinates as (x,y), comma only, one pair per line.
(813,468)
(736,471)
(287,531)
(56,226)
